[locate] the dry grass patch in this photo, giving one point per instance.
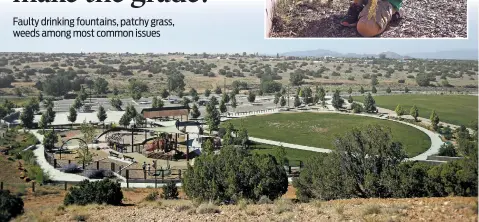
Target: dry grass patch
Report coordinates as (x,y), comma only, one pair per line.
(372,209)
(283,205)
(208,208)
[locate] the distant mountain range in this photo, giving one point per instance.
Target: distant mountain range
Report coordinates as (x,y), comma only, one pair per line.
(467,54)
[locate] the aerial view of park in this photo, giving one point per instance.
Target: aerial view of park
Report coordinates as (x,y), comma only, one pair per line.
(237,137)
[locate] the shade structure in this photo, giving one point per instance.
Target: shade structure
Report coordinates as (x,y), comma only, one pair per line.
(165,129)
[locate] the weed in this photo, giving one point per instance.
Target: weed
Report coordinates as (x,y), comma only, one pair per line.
(183,207)
(372,209)
(151,196)
(207,208)
(80,217)
(243,204)
(264,200)
(282,206)
(339,209)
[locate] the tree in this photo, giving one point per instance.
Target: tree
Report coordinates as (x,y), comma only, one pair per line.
(322,94)
(276,98)
(72,116)
(207,147)
(374,90)
(434,120)
(281,156)
(101,86)
(49,140)
(251,96)
(83,95)
(406,90)
(297,101)
(414,112)
(350,90)
(218,90)
(176,82)
(374,80)
(337,101)
(140,120)
(223,107)
(154,102)
(234,104)
(388,90)
(207,92)
(170,191)
(282,102)
(11,205)
(164,93)
(195,112)
(27,117)
(447,149)
(212,117)
(193,92)
(50,114)
(77,104)
(125,120)
(361,90)
(137,88)
(422,79)
(363,164)
(234,174)
(101,115)
(116,102)
(186,102)
(399,110)
(225,98)
(115,91)
(369,104)
(243,138)
(350,99)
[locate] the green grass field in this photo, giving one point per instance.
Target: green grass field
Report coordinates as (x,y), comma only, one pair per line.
(458,110)
(319,129)
(293,155)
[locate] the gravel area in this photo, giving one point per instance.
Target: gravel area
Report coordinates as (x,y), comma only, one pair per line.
(416,209)
(420,19)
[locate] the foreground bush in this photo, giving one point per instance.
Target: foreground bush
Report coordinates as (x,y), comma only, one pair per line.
(170,191)
(99,174)
(99,192)
(367,163)
(10,205)
(71,168)
(235,174)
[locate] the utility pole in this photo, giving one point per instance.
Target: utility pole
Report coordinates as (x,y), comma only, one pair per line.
(224,85)
(287,91)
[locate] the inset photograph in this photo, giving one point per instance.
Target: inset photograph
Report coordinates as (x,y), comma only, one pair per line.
(365,18)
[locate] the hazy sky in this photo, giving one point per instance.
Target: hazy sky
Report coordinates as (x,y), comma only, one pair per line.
(215,26)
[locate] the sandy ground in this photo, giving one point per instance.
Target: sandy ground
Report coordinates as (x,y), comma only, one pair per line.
(136,209)
(420,19)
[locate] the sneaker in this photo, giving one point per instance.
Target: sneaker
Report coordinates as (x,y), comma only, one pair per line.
(352,18)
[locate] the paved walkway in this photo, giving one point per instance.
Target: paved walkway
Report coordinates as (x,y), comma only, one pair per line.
(54,174)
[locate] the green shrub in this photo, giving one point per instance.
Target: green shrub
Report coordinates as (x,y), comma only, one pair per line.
(100,192)
(235,174)
(36,173)
(447,149)
(10,205)
(264,200)
(151,196)
(170,191)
